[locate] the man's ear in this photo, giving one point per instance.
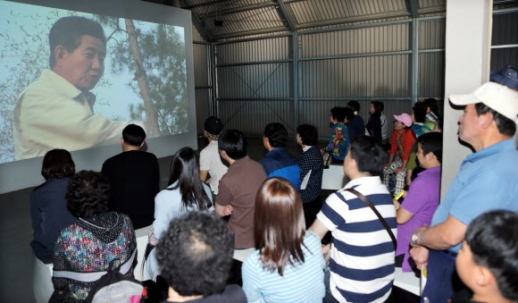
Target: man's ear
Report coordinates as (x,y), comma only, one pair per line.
(486,120)
(122,141)
(483,276)
(142,144)
(59,53)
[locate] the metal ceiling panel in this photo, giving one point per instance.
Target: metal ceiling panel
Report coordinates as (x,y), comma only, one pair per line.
(317,10)
(389,38)
(505,29)
(424,4)
(254,51)
(432,34)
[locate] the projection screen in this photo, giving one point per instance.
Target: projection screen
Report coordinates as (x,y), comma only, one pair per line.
(65,93)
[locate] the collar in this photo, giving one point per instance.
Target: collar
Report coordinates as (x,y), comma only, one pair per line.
(277,150)
(363,181)
(491,150)
(431,170)
(68,89)
(306,148)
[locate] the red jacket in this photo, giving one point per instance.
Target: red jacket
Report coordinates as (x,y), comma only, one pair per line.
(407,141)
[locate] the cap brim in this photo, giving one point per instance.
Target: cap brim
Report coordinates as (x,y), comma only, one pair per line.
(464,99)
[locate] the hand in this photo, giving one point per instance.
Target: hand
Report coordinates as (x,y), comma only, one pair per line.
(326,248)
(399,169)
(424,227)
(387,165)
(228,210)
(420,256)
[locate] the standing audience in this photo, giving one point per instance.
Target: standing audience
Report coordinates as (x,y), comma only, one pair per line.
(134,178)
(49,213)
(288,266)
(362,251)
(210,161)
(374,123)
(312,163)
(355,122)
(238,188)
(84,249)
(185,192)
(486,180)
(339,140)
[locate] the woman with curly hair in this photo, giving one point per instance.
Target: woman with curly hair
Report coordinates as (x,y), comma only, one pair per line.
(288,266)
(84,249)
(185,192)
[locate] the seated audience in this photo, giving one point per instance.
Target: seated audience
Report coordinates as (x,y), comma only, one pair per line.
(403,139)
(195,254)
(185,192)
(488,259)
(238,188)
(84,249)
(339,140)
(355,123)
(312,163)
(210,161)
(374,123)
(362,251)
(49,213)
(423,196)
(134,178)
(288,266)
(432,111)
(278,162)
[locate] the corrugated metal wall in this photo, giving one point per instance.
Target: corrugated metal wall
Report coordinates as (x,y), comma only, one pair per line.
(257,77)
(202,80)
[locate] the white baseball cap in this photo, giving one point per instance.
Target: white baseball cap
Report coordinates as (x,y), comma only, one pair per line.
(498,97)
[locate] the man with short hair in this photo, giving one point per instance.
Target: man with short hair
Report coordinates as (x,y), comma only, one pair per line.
(362,251)
(486,180)
(195,255)
(210,161)
(278,162)
(56,111)
(355,123)
(238,188)
(134,178)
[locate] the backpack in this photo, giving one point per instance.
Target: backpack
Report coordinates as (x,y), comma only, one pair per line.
(114,287)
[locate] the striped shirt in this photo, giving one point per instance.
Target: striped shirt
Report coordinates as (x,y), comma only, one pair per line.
(362,254)
(299,283)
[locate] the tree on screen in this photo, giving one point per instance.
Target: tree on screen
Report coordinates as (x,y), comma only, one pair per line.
(156,57)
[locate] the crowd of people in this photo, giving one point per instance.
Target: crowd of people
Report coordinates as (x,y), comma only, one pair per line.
(220,201)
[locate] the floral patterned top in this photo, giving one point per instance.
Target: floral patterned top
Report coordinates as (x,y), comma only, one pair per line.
(339,141)
(88,246)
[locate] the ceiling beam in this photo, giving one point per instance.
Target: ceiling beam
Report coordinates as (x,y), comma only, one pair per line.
(397,14)
(286,14)
(234,10)
(198,24)
(413,7)
(252,32)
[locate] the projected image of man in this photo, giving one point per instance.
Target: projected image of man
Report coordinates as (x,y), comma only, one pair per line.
(56,111)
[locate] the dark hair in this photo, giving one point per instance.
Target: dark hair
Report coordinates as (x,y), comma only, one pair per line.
(195,254)
(338,113)
(133,135)
(308,134)
(279,225)
(57,164)
(276,134)
(492,240)
(419,111)
(380,105)
(234,143)
(185,170)
(68,32)
(369,155)
(431,143)
(349,113)
(432,104)
(354,105)
(377,108)
(88,193)
(506,126)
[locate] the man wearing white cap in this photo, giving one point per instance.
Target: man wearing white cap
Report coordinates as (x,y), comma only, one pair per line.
(487,180)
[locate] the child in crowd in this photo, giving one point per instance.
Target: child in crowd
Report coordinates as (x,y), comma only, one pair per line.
(403,139)
(339,139)
(422,198)
(488,260)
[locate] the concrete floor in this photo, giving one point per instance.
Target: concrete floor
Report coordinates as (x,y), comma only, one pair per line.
(16,232)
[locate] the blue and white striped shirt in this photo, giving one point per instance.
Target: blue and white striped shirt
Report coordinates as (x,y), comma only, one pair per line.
(362,254)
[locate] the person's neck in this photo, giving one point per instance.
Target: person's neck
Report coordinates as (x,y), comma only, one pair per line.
(489,140)
(173,296)
(128,147)
(357,174)
(496,298)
